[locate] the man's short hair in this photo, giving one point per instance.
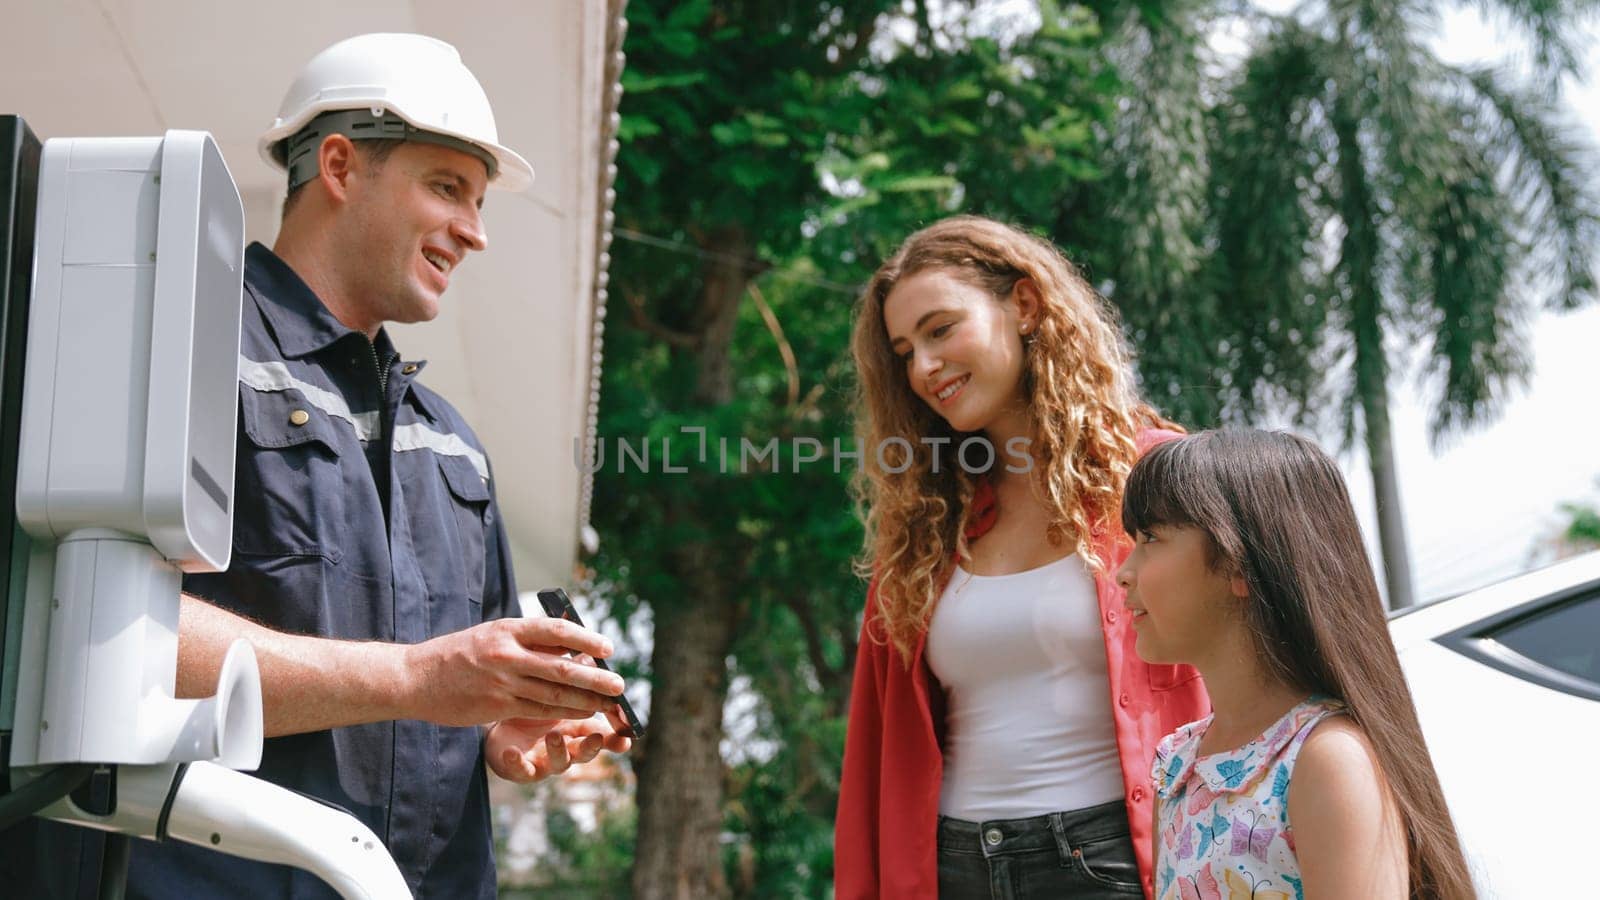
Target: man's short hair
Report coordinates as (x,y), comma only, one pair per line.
(375,151)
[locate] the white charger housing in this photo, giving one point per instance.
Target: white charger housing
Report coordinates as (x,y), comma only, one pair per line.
(126,456)
(130,400)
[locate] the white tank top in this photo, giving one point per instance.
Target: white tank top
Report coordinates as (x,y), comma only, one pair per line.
(1028,727)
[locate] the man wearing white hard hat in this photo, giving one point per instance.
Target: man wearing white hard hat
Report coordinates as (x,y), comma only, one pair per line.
(370,565)
(405,86)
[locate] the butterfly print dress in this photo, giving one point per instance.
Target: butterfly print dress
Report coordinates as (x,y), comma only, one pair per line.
(1224,819)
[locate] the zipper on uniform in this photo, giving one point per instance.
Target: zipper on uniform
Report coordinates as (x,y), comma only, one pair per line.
(383,374)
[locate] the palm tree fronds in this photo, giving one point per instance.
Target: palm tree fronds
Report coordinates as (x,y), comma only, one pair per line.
(1160,162)
(1550,167)
(1268,211)
(1478,336)
(1549,24)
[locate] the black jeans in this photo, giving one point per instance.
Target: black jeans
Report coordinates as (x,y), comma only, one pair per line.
(1085,853)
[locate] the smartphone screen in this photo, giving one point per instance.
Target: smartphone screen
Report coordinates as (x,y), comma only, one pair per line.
(557,605)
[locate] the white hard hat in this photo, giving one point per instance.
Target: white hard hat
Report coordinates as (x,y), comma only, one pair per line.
(411,86)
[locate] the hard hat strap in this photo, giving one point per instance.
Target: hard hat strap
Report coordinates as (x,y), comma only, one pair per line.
(300,151)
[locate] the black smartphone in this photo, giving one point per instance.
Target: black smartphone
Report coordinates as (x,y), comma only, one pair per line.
(557,605)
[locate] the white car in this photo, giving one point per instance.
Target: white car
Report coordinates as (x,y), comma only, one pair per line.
(1507,685)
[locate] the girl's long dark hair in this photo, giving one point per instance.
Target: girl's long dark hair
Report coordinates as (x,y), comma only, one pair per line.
(1277,513)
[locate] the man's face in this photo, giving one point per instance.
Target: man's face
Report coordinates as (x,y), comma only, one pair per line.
(413,218)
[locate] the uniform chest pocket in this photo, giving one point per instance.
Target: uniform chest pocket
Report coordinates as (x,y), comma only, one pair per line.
(290,490)
(469,501)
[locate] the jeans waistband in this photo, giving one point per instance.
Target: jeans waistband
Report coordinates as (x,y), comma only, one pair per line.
(1059,830)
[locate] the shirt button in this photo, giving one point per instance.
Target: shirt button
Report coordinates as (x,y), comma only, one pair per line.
(992,837)
(1111,617)
(412,367)
(299,417)
(1138,794)
(1124,700)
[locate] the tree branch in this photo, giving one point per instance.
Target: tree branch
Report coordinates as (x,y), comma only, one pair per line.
(826,674)
(784,349)
(642,321)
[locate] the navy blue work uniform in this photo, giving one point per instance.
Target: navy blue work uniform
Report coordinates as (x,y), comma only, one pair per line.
(363,511)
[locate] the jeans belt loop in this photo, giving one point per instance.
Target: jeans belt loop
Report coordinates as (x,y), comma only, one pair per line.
(1058,830)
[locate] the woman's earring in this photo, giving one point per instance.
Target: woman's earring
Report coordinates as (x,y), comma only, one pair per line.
(1027,335)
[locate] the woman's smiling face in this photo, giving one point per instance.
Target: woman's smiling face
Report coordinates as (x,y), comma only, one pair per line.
(961,347)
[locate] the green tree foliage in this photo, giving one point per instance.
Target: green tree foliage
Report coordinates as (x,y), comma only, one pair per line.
(1578,532)
(1584,528)
(581,865)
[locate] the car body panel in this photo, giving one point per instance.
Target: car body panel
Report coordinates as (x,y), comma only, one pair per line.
(1509,751)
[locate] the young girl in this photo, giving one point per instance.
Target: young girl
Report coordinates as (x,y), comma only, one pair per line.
(1310,778)
(1001,728)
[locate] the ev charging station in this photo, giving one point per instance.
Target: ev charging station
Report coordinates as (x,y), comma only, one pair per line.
(121,275)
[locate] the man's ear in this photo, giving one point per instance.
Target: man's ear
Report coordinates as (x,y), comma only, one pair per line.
(336,162)
(1239,587)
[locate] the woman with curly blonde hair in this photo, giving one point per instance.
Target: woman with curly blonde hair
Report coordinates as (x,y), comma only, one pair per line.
(1001,727)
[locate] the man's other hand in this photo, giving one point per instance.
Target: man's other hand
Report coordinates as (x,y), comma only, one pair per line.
(525,750)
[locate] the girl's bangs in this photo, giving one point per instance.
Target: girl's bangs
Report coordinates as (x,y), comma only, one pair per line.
(1155,495)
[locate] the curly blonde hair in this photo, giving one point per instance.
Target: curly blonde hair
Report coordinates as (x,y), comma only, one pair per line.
(1085,410)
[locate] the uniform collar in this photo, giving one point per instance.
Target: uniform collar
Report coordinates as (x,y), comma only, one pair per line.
(299,321)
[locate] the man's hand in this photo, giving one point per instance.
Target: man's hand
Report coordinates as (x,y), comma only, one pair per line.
(525,750)
(509,669)
(503,669)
